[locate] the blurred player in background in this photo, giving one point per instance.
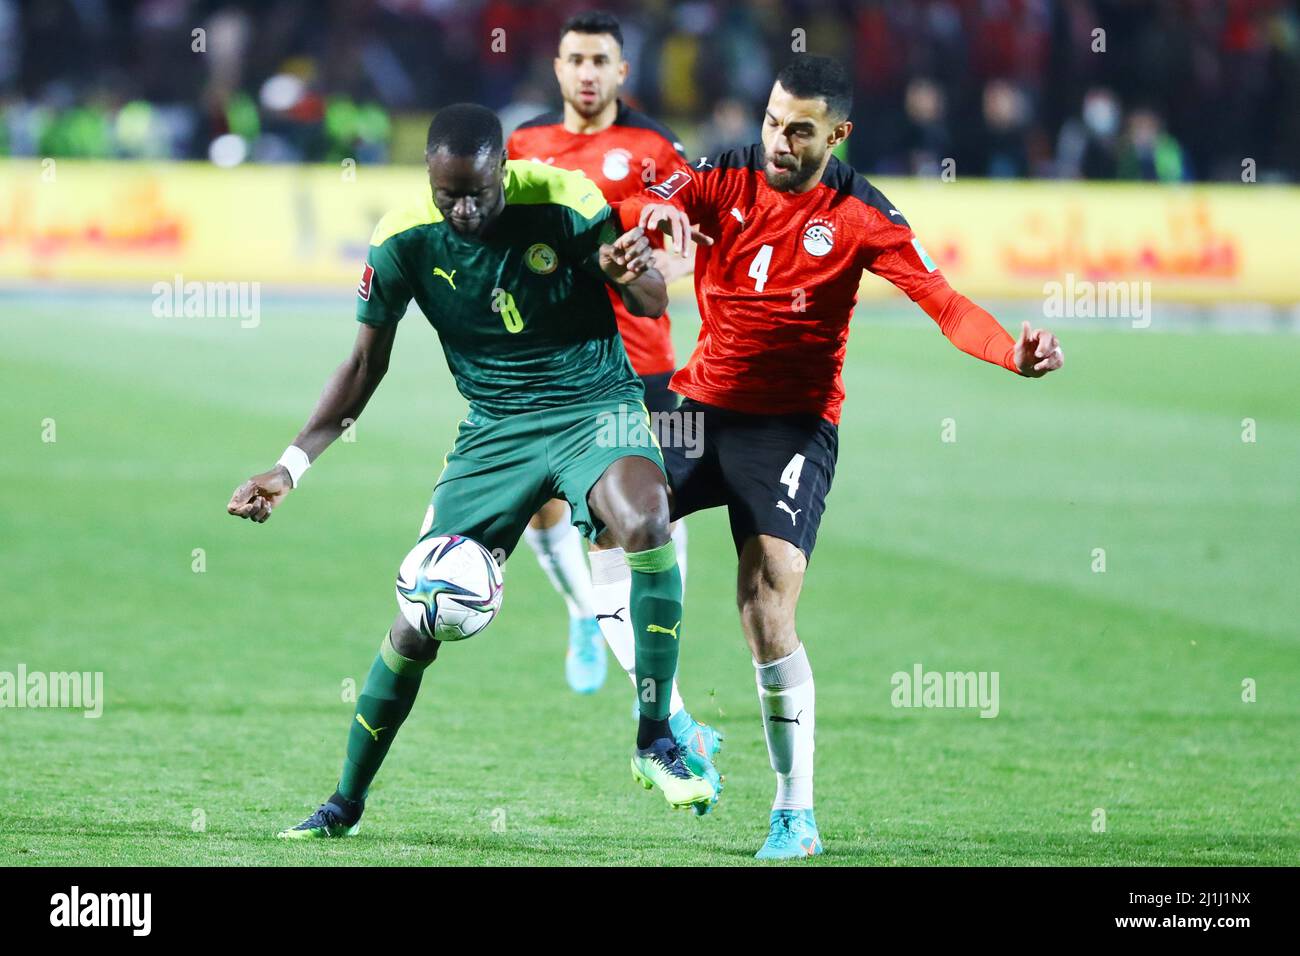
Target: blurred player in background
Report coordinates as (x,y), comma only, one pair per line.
(622,151)
(791,229)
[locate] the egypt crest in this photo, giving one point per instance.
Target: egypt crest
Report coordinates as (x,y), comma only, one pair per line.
(819,237)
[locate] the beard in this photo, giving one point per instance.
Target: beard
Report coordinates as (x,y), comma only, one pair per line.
(793,176)
(594,108)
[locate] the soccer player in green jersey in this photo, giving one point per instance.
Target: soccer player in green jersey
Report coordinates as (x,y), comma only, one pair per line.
(508,261)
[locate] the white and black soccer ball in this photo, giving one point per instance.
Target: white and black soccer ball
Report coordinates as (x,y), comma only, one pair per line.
(449,587)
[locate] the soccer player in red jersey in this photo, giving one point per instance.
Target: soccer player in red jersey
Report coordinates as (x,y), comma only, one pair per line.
(790,230)
(621,150)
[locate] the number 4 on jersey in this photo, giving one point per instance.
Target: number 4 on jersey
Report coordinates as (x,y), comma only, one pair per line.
(758,268)
(790,477)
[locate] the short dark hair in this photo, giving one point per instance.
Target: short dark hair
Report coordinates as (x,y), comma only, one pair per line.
(465,129)
(811,76)
(594,21)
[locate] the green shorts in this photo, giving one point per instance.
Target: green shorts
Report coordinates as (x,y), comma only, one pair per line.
(501,470)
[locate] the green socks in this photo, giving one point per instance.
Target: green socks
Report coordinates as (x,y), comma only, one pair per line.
(383,704)
(656,623)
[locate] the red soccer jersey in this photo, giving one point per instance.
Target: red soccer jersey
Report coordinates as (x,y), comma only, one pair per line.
(621,160)
(778,286)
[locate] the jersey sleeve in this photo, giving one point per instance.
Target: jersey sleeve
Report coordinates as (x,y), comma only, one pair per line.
(970,328)
(587,233)
(688,187)
(889,249)
(383,293)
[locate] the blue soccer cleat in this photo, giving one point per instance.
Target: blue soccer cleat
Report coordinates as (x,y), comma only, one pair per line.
(793,835)
(585,664)
(699,744)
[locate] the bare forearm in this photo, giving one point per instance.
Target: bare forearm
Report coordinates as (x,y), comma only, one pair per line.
(340,403)
(646,295)
(672,266)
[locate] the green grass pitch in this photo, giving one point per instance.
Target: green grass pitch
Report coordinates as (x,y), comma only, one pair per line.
(224,717)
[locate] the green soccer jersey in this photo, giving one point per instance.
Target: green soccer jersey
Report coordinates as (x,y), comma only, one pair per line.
(522,312)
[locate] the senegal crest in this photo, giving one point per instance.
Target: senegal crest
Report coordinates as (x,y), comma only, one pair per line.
(541,258)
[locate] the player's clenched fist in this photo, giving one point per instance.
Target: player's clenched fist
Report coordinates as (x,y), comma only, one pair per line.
(258,495)
(1038,352)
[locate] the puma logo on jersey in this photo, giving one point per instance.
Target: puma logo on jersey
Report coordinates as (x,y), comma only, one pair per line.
(372,731)
(450,277)
(739,218)
(656,629)
(614,616)
(786,508)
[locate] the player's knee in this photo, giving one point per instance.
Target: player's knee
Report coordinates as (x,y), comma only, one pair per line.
(768,581)
(645,530)
(760,581)
(758,595)
(410,643)
(641,522)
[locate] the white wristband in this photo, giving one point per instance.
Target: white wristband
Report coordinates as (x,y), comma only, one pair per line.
(295,462)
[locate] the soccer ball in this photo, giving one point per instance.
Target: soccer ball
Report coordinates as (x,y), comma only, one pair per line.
(449,587)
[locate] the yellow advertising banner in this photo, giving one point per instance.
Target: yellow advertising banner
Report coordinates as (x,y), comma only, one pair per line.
(309,226)
(1192,243)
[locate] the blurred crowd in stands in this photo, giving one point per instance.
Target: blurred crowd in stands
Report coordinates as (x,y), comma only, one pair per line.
(1166,90)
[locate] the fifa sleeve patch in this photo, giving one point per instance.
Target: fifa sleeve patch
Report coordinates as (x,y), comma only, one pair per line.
(363,287)
(925,256)
(672,185)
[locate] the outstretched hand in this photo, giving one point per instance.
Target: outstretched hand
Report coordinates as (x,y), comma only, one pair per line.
(672,221)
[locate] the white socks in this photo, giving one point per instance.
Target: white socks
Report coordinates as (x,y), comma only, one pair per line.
(679,545)
(562,553)
(787,698)
(611,587)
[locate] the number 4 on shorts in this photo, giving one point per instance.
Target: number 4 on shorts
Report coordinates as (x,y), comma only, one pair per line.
(790,477)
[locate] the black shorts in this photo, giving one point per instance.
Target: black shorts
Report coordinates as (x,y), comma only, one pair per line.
(658,398)
(772,472)
(660,402)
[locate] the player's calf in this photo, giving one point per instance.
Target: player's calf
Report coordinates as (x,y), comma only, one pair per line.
(383,705)
(769,582)
(631,500)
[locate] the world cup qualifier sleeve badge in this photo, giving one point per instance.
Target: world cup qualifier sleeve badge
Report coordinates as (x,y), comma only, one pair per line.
(818,237)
